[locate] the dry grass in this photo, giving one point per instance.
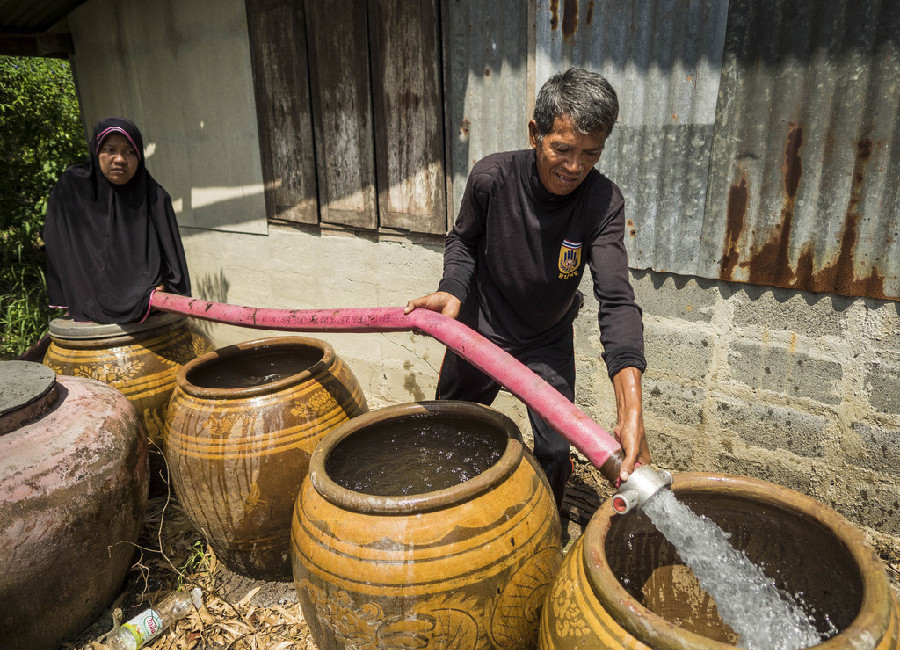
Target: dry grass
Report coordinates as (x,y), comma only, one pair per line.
(238,613)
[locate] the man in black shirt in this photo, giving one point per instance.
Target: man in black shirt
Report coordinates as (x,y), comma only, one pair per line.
(528,224)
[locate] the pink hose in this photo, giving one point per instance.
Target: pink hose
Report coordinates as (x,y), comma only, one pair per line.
(597,445)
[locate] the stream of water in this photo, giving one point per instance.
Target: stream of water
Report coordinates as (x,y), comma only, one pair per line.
(749,602)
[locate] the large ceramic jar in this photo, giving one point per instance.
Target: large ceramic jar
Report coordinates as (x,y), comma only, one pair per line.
(623,585)
(240,430)
(424,525)
(139,359)
(73,487)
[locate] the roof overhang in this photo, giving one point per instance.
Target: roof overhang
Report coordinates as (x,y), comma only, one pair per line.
(36,28)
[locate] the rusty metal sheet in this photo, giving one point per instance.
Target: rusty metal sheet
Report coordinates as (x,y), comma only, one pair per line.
(757,142)
(805,170)
(664,60)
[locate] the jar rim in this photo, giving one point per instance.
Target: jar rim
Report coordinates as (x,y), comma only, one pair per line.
(656,631)
(245,347)
(349,499)
(34,394)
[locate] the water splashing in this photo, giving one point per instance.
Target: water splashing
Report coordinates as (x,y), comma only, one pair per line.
(748,601)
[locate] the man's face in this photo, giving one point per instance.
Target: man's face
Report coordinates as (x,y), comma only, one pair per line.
(118,159)
(565,156)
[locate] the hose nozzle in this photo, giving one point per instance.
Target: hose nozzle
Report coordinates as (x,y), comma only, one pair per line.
(643,483)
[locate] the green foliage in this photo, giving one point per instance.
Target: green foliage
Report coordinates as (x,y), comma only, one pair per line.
(200,560)
(40,135)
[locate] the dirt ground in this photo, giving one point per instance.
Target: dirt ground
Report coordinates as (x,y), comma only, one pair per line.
(240,613)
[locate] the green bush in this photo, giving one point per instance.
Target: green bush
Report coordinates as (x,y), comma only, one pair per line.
(40,135)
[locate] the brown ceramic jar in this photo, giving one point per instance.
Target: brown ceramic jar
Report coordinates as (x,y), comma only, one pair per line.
(241,427)
(623,585)
(73,487)
(141,360)
(447,536)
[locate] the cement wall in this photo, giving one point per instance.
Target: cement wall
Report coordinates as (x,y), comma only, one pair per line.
(796,388)
(292,268)
(181,71)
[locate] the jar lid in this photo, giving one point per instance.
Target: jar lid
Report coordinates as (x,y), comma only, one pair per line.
(66,328)
(27,390)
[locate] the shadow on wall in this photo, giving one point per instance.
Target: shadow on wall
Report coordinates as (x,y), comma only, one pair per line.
(212,287)
(411,383)
(221,208)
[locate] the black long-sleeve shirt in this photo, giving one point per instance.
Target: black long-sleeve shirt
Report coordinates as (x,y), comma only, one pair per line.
(516,255)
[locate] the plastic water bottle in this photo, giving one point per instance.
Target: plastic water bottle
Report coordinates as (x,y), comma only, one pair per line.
(150,623)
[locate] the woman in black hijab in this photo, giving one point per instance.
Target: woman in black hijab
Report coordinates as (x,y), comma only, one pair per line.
(110,232)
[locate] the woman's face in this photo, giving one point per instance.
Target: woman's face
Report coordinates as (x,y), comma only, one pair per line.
(118,159)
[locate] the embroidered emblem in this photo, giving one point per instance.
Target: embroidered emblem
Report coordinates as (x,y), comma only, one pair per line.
(569,259)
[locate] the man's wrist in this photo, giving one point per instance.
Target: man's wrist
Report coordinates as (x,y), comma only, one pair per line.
(454,287)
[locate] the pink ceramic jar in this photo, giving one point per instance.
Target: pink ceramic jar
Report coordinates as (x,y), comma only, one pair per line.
(73,487)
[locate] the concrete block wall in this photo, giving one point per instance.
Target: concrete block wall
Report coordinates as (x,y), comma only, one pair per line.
(796,388)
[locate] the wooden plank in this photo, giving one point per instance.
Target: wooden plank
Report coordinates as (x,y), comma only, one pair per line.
(281,85)
(337,34)
(409,138)
(447,115)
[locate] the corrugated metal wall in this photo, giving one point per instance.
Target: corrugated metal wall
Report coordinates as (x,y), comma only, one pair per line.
(664,60)
(756,141)
(804,172)
(485,67)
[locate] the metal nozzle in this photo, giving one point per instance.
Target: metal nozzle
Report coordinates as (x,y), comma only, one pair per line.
(643,483)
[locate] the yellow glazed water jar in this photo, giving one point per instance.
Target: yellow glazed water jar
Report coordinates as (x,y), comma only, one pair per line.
(240,430)
(447,536)
(622,585)
(140,360)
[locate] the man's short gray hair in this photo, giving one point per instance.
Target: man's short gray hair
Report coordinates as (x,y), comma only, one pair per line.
(585,97)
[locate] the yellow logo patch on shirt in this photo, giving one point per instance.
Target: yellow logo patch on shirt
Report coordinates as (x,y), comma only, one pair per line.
(569,259)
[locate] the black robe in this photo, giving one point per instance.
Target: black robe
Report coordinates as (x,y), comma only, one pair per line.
(108,246)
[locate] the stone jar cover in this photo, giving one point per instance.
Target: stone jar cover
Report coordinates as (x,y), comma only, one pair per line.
(460,566)
(240,429)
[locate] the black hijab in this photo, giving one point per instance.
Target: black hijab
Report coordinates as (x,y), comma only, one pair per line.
(108,246)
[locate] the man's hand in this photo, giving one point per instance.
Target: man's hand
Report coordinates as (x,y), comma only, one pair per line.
(439,301)
(629,429)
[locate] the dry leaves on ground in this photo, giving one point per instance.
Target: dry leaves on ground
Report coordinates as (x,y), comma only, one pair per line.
(237,613)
